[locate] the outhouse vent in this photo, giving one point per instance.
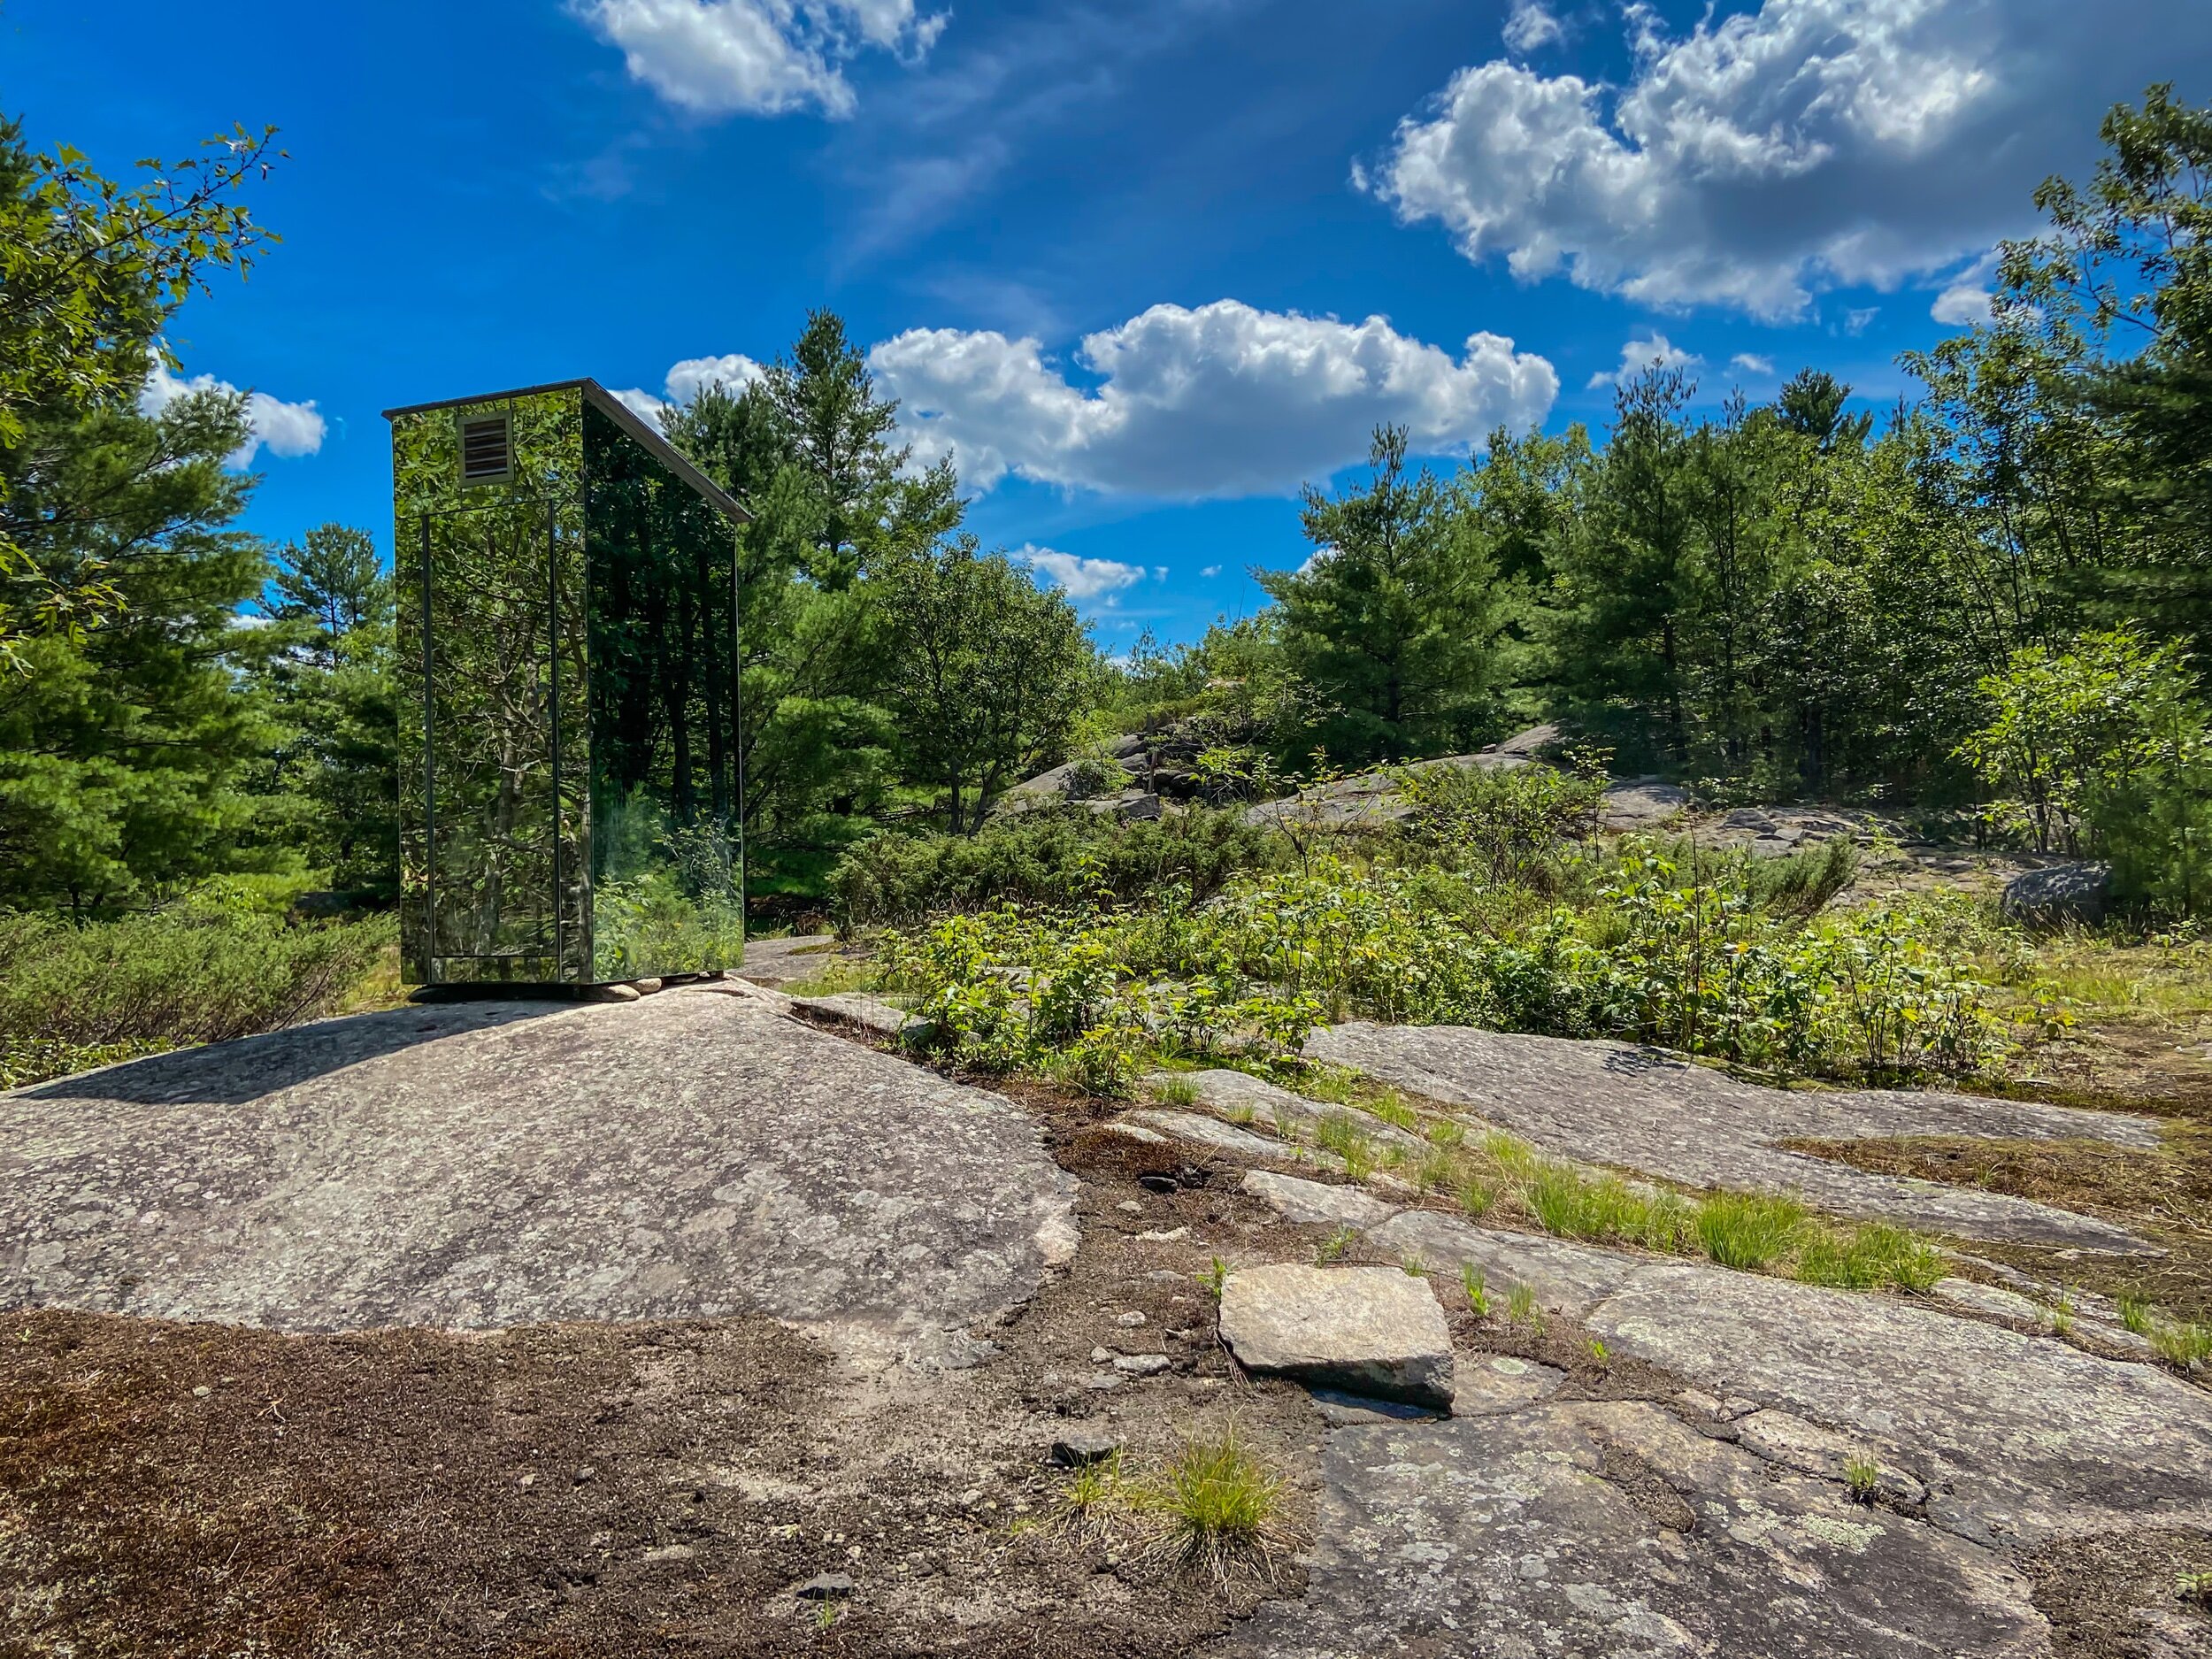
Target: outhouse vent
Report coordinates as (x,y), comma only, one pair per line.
(486,456)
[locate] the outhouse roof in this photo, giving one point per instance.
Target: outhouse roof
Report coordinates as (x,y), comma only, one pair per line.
(623,416)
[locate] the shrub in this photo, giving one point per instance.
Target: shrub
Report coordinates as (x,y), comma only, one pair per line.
(1505,826)
(204,970)
(1043,859)
(2107,749)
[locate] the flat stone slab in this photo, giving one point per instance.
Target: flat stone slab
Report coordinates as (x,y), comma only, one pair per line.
(1616,1528)
(1372,1331)
(779,962)
(1222,1136)
(1227,1094)
(493,1164)
(1317,1201)
(1640,1109)
(2017,1437)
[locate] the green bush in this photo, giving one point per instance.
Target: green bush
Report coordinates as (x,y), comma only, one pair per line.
(2106,749)
(201,971)
(1043,859)
(1695,965)
(1504,827)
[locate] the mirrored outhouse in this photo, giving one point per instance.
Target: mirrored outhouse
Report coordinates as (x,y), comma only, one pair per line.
(569,762)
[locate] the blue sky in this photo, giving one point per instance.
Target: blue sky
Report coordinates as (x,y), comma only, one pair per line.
(1139,268)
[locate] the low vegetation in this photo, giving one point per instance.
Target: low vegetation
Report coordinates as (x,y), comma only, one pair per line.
(1218,1504)
(218,964)
(1456,917)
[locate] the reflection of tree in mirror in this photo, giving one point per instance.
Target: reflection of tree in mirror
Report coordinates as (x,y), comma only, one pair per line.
(668,898)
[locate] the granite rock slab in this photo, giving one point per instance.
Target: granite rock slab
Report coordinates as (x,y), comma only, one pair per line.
(487,1165)
(1643,1109)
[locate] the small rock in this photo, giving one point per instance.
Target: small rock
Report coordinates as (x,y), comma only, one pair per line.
(1372,1331)
(1158,1183)
(1132,1206)
(1168,1236)
(1130,1320)
(827,1586)
(1079,1447)
(1100,1381)
(1141,1364)
(1101,1357)
(671,1552)
(202,1392)
(645,987)
(586,1475)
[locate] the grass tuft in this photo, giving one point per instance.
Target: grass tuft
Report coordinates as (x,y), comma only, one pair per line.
(1340,1133)
(1477,1197)
(1175,1091)
(1391,1107)
(1868,1258)
(2185,1344)
(1219,1503)
(1862,1478)
(1521,1308)
(1336,1246)
(1574,1205)
(1748,1230)
(1477,1289)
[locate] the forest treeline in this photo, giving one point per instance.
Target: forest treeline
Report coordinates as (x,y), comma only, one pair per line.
(1995,593)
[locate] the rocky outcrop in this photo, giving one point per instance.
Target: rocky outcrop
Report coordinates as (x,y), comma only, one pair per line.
(1836,1472)
(495,1163)
(1641,1108)
(2057,895)
(1615,1528)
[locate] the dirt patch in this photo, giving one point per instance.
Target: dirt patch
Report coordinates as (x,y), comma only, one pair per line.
(2116,1596)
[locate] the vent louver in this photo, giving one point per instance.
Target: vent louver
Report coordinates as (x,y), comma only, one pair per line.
(485,455)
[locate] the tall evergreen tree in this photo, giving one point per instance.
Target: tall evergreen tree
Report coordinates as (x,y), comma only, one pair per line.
(333,580)
(1394,619)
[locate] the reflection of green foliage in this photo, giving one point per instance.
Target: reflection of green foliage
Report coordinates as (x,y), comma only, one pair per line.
(667,898)
(650,926)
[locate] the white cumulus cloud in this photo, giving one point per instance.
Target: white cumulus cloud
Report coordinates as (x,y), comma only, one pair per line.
(1220,401)
(1646,351)
(1529,25)
(282,428)
(1083,579)
(1751,363)
(1774,153)
(641,403)
(757,56)
(1965,298)
(685,380)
